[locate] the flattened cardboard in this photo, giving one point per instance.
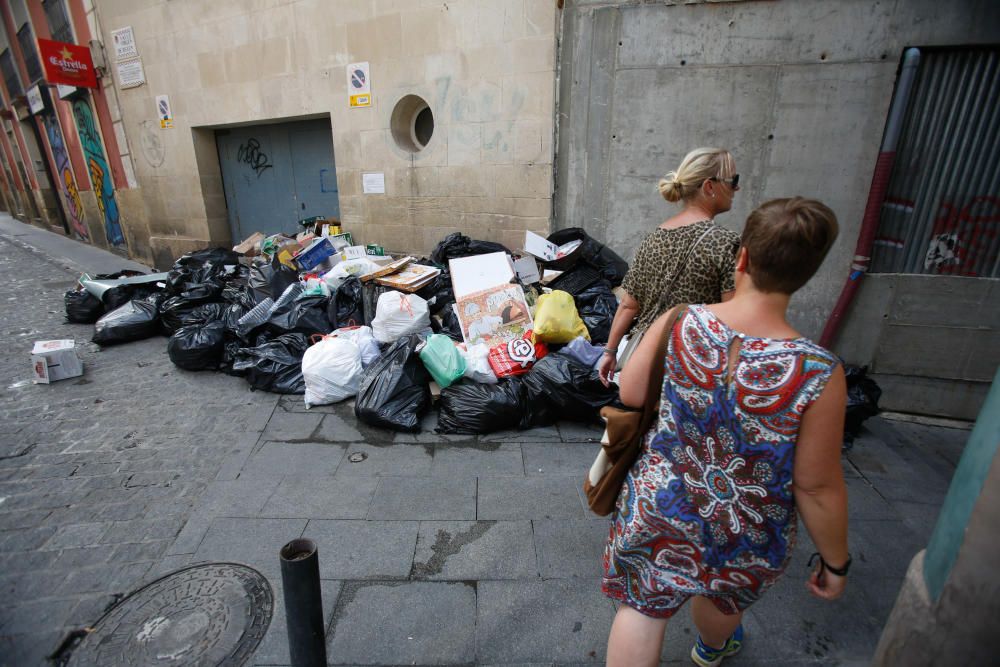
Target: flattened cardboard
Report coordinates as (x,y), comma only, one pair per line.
(479,272)
(493,316)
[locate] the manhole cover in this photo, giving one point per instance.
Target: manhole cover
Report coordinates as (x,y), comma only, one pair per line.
(211,614)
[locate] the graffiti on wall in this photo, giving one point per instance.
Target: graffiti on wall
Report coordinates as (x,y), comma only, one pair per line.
(251,154)
(65,182)
(963,236)
(100,174)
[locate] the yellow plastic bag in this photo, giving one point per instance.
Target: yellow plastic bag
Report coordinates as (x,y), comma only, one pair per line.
(556,319)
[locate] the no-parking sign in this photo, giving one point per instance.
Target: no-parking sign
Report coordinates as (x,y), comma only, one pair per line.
(359,85)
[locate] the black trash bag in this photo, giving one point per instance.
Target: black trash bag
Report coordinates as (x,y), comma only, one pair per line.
(457,244)
(394,392)
(450,326)
(197,347)
(176,312)
(597,306)
(82,307)
(862,401)
(135,320)
(370,292)
(573,389)
(475,408)
(119,295)
(304,314)
(201,266)
(259,281)
(281,277)
(231,315)
(346,307)
(238,276)
(275,366)
(230,350)
(240,294)
(437,293)
(612,267)
(203,292)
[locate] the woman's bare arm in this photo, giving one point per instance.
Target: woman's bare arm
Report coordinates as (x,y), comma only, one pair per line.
(634,383)
(627,311)
(818,482)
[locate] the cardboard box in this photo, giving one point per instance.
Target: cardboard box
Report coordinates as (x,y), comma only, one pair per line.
(545,250)
(53,360)
(480,272)
(315,254)
(250,246)
(387,264)
(527,270)
(410,279)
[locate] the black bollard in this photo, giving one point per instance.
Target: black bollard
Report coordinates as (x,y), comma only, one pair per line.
(303,603)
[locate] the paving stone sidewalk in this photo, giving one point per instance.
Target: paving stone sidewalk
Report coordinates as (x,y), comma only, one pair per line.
(433,549)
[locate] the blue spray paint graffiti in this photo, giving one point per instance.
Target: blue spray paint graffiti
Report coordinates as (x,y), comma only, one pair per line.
(100,174)
(66,184)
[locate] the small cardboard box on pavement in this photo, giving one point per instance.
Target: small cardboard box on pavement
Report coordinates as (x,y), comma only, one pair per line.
(53,360)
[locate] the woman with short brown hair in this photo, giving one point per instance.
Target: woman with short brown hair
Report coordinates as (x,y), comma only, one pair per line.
(748,436)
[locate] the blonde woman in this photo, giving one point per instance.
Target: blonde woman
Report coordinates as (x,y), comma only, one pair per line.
(687,259)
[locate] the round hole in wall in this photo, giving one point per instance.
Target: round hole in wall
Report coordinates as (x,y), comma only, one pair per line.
(412,123)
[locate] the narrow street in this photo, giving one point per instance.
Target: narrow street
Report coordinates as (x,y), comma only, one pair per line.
(433,549)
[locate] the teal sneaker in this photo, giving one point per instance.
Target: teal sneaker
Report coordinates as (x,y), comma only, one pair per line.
(706,656)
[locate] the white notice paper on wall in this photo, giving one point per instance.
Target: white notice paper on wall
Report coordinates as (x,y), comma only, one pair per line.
(373,183)
(130,73)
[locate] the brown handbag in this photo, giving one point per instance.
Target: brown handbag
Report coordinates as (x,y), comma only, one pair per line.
(626,429)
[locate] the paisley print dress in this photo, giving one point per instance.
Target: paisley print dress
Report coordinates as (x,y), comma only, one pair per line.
(708,508)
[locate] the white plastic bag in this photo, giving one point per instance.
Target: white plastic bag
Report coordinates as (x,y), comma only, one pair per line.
(332,371)
(364,339)
(399,314)
(477,365)
(349,267)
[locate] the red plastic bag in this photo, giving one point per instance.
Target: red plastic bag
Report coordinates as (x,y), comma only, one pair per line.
(516,357)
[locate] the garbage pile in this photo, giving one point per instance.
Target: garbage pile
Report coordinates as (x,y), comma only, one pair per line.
(497,339)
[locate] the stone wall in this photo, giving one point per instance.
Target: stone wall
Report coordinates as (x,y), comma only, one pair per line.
(485,67)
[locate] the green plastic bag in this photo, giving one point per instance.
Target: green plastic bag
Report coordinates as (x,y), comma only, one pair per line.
(443,360)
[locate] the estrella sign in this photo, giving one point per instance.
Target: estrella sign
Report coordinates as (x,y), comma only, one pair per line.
(67,64)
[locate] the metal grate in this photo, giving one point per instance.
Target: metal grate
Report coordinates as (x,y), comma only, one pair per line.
(941,213)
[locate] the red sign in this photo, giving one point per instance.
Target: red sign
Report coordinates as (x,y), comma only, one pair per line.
(67,64)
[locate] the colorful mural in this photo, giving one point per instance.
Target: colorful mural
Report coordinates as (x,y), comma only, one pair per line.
(64,178)
(100,173)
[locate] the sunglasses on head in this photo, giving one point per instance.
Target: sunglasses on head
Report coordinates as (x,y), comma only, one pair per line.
(733,182)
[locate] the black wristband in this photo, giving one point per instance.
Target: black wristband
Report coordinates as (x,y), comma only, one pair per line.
(839,571)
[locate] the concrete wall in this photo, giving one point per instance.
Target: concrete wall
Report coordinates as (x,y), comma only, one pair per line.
(947,610)
(798,91)
(486,68)
(931,342)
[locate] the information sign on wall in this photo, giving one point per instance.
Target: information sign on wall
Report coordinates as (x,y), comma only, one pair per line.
(35,101)
(124,41)
(130,73)
(359,85)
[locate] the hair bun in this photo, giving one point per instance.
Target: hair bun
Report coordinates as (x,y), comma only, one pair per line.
(670,188)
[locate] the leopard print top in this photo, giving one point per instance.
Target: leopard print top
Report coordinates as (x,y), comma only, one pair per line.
(707,274)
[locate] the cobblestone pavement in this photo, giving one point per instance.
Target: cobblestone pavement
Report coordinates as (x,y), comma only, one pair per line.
(98,474)
(433,549)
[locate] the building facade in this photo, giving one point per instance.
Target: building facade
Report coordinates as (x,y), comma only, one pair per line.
(410,119)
